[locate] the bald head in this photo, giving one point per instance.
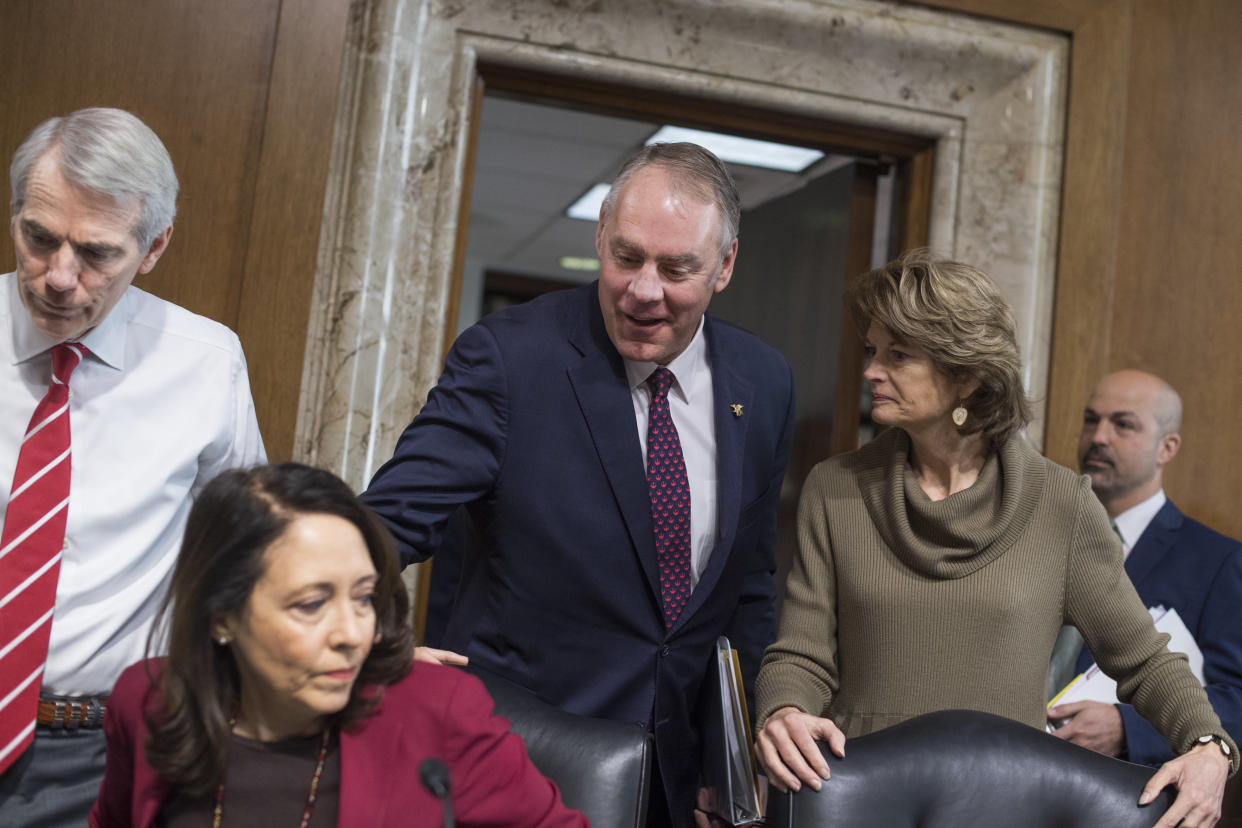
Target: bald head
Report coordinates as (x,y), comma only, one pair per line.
(1160,398)
(1129,431)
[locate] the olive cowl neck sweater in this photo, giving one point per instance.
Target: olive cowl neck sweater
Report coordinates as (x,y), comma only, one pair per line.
(897,605)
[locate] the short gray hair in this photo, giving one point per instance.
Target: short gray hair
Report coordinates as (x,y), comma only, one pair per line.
(106,151)
(690,167)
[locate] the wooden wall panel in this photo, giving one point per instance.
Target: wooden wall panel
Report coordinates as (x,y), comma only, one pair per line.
(1178,299)
(1089,235)
(1151,217)
(244,97)
(196,73)
(283,235)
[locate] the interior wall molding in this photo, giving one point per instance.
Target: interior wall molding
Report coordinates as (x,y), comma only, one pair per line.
(991,95)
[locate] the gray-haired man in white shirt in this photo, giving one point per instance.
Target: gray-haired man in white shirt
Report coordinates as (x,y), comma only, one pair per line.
(159,404)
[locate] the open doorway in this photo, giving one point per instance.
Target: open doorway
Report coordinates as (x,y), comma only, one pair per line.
(540,143)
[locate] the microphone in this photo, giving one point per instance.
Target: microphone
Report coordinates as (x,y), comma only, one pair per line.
(435,778)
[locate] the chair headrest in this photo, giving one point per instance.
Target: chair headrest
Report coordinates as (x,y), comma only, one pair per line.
(963,768)
(603,768)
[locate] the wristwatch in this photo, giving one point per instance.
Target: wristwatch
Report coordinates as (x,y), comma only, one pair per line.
(1220,743)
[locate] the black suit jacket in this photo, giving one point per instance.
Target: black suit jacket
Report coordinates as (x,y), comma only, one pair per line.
(1184,565)
(531,428)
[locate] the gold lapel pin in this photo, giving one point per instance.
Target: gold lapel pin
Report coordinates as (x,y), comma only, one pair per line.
(737,409)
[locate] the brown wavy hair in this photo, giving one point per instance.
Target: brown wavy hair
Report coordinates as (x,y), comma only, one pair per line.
(956,313)
(234,520)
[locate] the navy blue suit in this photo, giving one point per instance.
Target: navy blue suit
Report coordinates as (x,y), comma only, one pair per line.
(1184,565)
(531,428)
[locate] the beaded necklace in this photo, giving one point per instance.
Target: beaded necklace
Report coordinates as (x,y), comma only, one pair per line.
(218,812)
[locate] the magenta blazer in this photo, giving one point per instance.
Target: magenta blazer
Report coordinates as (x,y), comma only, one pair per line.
(435,711)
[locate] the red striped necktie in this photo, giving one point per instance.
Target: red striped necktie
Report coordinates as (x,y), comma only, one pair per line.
(669,488)
(30,549)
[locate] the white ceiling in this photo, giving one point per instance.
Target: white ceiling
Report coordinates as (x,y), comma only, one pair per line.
(534,160)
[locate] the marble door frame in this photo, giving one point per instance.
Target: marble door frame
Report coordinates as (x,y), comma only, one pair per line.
(990,95)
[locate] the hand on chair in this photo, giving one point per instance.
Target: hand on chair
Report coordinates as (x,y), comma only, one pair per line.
(786,747)
(1199,776)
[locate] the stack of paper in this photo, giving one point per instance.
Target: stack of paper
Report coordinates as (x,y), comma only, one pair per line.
(1094,685)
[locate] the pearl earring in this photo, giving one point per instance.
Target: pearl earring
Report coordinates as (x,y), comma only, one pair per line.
(222,640)
(959,415)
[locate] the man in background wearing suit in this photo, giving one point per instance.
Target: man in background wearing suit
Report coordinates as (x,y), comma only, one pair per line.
(1130,431)
(620,455)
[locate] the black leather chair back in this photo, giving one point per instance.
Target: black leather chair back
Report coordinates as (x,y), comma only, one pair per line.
(960,768)
(603,768)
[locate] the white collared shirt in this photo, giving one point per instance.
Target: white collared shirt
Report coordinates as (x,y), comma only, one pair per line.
(158,408)
(691,401)
(1132,523)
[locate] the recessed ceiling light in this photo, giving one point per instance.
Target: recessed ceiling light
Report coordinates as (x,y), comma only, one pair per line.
(587,207)
(579,263)
(737,150)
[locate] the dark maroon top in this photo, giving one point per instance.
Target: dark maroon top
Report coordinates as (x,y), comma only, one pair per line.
(266,784)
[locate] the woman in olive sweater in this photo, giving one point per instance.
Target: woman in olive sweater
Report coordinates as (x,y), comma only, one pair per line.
(938,562)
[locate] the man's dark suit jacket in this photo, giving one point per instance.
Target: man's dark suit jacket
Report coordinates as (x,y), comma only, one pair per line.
(531,427)
(1184,565)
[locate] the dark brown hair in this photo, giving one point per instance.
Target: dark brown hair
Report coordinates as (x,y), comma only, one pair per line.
(234,520)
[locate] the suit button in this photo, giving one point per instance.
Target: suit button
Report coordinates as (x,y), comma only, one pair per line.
(664,651)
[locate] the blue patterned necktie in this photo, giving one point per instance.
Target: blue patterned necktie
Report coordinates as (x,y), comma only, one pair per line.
(669,488)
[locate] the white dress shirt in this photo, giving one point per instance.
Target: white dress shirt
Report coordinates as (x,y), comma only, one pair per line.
(1132,523)
(690,403)
(159,407)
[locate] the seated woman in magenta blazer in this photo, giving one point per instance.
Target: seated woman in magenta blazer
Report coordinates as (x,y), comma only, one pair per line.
(289,696)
